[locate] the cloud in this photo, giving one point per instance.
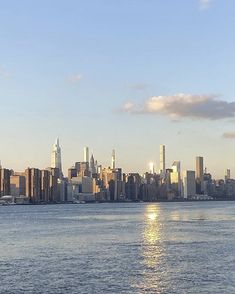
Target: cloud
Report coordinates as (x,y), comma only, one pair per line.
(179,106)
(128,107)
(75,78)
(205,4)
(229,135)
(4,73)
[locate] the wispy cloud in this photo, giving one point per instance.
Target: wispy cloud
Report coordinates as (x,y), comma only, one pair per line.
(181,106)
(4,72)
(205,4)
(229,135)
(75,78)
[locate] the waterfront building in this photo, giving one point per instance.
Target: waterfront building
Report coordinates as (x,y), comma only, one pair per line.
(17,185)
(45,186)
(33,184)
(132,186)
(5,186)
(189,184)
(54,185)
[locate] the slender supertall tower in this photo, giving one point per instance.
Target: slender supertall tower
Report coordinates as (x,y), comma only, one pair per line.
(199,174)
(56,156)
(162,159)
(113,160)
(86,154)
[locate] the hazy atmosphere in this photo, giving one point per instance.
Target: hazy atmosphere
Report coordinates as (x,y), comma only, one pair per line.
(129,75)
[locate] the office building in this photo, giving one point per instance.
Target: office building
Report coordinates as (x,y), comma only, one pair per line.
(33,184)
(45,186)
(227,174)
(17,185)
(189,184)
(5,186)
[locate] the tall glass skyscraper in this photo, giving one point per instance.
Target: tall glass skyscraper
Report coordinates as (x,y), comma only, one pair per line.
(56,156)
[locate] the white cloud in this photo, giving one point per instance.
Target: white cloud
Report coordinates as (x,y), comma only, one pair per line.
(185,106)
(128,107)
(205,4)
(229,135)
(75,78)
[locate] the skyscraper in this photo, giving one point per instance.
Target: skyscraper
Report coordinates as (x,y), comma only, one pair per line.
(227,174)
(33,184)
(175,178)
(189,183)
(199,174)
(162,159)
(86,154)
(92,165)
(5,175)
(113,160)
(56,156)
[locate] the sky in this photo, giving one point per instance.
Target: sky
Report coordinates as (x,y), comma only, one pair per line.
(127,75)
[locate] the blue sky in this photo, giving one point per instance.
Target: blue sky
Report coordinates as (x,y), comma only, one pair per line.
(68,68)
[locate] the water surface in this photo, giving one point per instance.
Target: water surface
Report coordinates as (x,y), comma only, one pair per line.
(118,248)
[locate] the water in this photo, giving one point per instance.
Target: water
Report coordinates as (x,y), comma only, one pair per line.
(118,248)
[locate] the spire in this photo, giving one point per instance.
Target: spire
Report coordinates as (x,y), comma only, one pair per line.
(57,142)
(56,156)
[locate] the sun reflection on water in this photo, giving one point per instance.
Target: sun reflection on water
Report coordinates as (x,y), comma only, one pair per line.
(152,250)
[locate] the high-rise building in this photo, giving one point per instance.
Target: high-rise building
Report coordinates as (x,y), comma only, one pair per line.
(5,181)
(151,168)
(54,185)
(72,173)
(162,159)
(56,156)
(189,184)
(82,168)
(18,185)
(175,179)
(45,185)
(113,160)
(33,184)
(86,154)
(199,175)
(227,174)
(92,165)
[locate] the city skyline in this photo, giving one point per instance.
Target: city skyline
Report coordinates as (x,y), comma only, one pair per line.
(159,166)
(61,74)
